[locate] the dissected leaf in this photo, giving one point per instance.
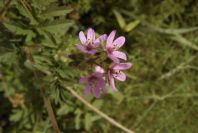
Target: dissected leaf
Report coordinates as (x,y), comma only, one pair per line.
(18,30)
(56,11)
(57,27)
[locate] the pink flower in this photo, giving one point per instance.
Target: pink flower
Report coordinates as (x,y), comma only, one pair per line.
(113,45)
(95,82)
(116,73)
(88,45)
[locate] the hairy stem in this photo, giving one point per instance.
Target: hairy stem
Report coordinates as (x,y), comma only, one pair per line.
(103,115)
(50,112)
(46,99)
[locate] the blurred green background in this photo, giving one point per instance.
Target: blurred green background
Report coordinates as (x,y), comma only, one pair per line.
(161,91)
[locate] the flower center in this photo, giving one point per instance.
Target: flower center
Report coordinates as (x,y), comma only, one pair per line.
(93,82)
(116,73)
(89,44)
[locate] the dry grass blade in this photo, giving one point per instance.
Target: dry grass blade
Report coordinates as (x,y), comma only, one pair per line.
(178,68)
(184,42)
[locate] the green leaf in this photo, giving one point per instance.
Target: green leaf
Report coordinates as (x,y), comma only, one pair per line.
(132,25)
(8,58)
(43,3)
(98,103)
(17,116)
(17,29)
(57,27)
(53,11)
(78,113)
(42,64)
(48,40)
(29,64)
(88,121)
(42,59)
(120,19)
(65,109)
(23,10)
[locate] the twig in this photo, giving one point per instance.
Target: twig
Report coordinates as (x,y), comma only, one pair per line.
(112,121)
(46,100)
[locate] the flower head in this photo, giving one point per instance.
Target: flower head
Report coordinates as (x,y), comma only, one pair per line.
(116,73)
(95,82)
(113,45)
(88,45)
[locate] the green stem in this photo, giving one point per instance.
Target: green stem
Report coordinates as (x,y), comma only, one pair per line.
(103,115)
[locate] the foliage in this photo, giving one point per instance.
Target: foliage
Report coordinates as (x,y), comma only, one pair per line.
(40,36)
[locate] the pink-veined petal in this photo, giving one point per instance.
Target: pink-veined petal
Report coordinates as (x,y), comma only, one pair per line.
(87,90)
(112,82)
(122,66)
(82,48)
(119,42)
(82,37)
(113,58)
(102,85)
(120,55)
(99,40)
(120,76)
(102,37)
(96,44)
(96,92)
(90,34)
(110,39)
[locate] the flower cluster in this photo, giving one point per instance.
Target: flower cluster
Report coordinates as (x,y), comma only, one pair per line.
(109,65)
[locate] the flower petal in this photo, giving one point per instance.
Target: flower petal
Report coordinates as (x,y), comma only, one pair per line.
(96,92)
(120,55)
(110,39)
(111,81)
(82,48)
(103,37)
(102,84)
(99,40)
(96,44)
(113,58)
(90,34)
(92,52)
(87,90)
(83,79)
(122,66)
(99,69)
(119,42)
(120,76)
(82,37)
